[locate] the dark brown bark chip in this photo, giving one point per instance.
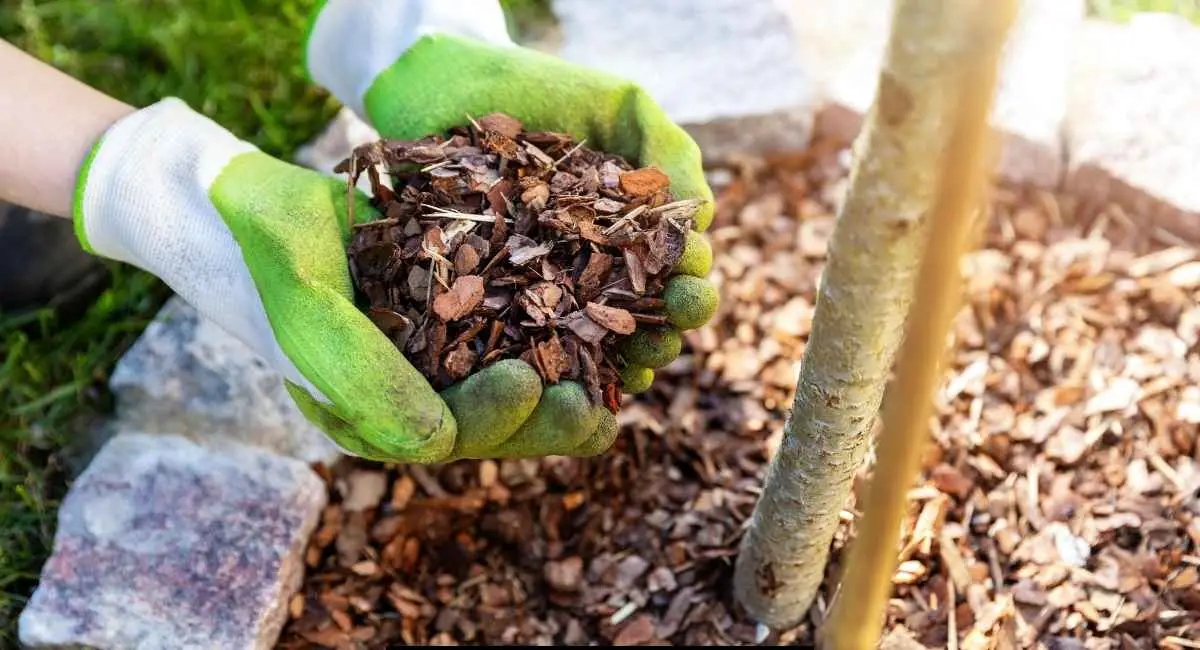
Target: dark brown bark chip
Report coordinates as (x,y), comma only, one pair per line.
(466,259)
(591,375)
(594,275)
(500,243)
(418,284)
(497,199)
(460,360)
(585,328)
(503,146)
(552,359)
(608,206)
(389,321)
(636,270)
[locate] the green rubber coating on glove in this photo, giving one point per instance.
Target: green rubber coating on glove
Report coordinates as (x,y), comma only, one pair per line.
(326,420)
(635,379)
(442,78)
(691,302)
(77,199)
(602,438)
(490,405)
(290,224)
(652,347)
(563,419)
(697,259)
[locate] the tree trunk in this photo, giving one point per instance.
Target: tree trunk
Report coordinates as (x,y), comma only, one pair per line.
(859,318)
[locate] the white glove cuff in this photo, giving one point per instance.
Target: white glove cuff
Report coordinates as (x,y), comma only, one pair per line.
(145,201)
(150,178)
(353,41)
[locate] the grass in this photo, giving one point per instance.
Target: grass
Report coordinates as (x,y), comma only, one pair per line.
(237,61)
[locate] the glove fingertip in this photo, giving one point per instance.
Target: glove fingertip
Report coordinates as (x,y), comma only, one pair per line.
(602,438)
(491,405)
(697,258)
(572,411)
(652,347)
(563,420)
(690,301)
(636,379)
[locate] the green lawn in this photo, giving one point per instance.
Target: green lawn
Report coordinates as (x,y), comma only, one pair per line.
(237,61)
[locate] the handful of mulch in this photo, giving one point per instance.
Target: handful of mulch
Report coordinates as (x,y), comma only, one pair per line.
(499,243)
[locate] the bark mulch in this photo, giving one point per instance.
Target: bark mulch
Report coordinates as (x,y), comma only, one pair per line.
(497,243)
(1058,508)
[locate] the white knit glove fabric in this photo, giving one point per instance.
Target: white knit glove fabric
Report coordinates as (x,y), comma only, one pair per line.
(145,201)
(352,41)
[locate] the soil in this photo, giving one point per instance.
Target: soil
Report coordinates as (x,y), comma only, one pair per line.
(1058,506)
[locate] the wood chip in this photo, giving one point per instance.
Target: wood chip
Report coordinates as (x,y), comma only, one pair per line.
(501,123)
(644,182)
(613,318)
(463,298)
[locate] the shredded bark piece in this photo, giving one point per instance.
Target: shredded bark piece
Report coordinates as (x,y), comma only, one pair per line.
(461,299)
(613,318)
(643,182)
(505,125)
(459,361)
(466,259)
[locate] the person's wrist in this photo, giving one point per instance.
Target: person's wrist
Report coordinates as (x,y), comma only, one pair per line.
(350,43)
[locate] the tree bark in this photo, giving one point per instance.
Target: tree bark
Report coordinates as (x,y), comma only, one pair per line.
(861,308)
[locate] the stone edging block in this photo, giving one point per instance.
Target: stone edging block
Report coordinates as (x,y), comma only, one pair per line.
(186,375)
(166,544)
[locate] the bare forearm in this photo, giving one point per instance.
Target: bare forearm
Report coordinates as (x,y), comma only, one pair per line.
(48,123)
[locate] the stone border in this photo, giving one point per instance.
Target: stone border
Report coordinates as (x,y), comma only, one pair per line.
(1097,108)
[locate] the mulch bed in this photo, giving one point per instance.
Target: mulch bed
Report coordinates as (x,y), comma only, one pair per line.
(1058,506)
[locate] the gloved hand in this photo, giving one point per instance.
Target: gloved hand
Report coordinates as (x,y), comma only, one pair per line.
(416,67)
(258,245)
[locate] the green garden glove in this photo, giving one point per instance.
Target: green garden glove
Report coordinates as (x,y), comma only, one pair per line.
(417,67)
